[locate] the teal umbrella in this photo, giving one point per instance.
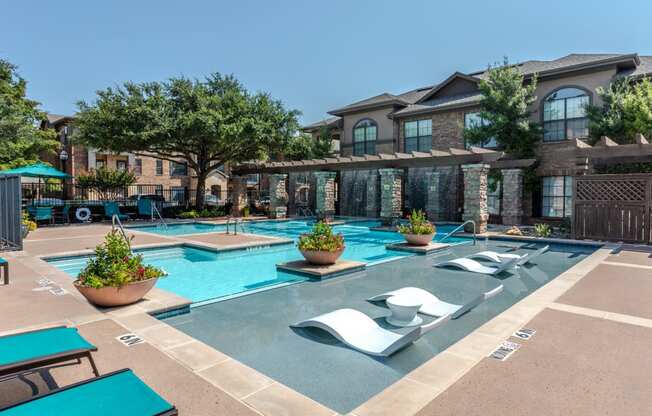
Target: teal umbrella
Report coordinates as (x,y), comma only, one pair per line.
(37,170)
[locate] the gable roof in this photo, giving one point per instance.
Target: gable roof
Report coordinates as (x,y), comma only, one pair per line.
(57,118)
(381,100)
(334,122)
(437,104)
(447,81)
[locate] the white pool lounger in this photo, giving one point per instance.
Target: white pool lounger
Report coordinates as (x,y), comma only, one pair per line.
(362,333)
(496,257)
(433,306)
(471,265)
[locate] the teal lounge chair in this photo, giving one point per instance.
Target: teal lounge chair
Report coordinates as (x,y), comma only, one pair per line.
(40,213)
(4,265)
(111,209)
(32,349)
(145,207)
(117,393)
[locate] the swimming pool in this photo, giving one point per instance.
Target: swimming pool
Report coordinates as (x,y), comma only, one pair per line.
(255,330)
(203,275)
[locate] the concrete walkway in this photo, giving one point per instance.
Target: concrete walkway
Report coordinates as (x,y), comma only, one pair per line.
(590,354)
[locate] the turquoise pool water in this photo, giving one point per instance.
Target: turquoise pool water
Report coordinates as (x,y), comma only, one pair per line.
(203,275)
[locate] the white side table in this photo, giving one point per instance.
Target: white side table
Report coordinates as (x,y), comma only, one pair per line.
(404,311)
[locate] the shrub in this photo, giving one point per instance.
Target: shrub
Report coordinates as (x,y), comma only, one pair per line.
(188,214)
(419,224)
(107,183)
(27,222)
(321,238)
(115,265)
(542,230)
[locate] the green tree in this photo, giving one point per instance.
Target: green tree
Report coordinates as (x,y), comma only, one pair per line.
(626,110)
(21,139)
(504,109)
(305,146)
(108,184)
(202,123)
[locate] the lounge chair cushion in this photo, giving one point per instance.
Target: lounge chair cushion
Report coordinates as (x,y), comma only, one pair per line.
(31,345)
(119,393)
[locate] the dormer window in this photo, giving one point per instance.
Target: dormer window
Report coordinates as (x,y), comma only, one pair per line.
(365,133)
(564,115)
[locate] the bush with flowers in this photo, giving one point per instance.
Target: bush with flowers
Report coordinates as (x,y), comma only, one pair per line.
(115,265)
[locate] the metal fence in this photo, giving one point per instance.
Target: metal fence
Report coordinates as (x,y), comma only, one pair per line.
(10,213)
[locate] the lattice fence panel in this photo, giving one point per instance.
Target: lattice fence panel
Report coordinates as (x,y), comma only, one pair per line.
(611,190)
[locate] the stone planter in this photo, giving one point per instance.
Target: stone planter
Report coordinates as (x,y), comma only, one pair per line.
(418,239)
(116,296)
(321,258)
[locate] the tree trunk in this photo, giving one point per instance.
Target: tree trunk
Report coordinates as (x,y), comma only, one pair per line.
(200,191)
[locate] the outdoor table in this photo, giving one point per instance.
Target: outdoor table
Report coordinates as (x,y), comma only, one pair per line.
(404,311)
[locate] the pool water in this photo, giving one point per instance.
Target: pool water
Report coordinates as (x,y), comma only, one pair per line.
(202,275)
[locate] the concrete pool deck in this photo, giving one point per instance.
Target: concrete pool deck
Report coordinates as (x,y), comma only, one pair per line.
(584,325)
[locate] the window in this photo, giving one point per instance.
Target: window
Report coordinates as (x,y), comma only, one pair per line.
(178,169)
(564,115)
(138,169)
(121,165)
(494,197)
(217,191)
(473,120)
(365,133)
(100,163)
(557,196)
(159,167)
(418,135)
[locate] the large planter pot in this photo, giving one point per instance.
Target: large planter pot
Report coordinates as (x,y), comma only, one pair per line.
(418,239)
(322,258)
(117,296)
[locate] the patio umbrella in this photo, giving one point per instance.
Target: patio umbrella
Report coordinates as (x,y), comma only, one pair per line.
(37,170)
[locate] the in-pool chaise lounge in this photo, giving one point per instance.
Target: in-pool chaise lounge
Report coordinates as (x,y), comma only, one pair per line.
(471,265)
(117,393)
(362,333)
(27,350)
(433,306)
(496,257)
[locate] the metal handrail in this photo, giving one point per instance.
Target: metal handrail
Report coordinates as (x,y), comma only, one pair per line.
(160,217)
(115,219)
(459,228)
(235,225)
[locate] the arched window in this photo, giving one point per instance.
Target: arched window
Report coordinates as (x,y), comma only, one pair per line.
(365,133)
(564,114)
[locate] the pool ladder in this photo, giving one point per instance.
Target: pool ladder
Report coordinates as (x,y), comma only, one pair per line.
(160,217)
(235,222)
(459,228)
(117,224)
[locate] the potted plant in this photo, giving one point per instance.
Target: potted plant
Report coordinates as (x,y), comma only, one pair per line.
(115,276)
(321,246)
(419,231)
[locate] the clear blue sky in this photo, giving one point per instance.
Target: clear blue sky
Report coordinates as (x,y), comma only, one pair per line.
(314,56)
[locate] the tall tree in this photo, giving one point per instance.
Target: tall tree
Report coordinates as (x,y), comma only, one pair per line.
(504,109)
(202,123)
(21,138)
(626,110)
(305,146)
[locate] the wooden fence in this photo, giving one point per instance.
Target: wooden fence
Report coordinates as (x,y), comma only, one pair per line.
(612,207)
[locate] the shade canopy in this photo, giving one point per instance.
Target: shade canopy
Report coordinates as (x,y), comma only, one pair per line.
(37,170)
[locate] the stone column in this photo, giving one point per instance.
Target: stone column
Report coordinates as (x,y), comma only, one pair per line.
(325,194)
(391,193)
(372,195)
(475,195)
(278,196)
(512,209)
(240,200)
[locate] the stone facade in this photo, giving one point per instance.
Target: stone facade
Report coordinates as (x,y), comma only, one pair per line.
(512,203)
(475,195)
(391,194)
(278,195)
(325,194)
(447,129)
